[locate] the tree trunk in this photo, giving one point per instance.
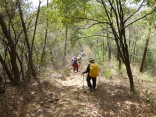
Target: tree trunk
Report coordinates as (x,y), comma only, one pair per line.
(109,46)
(28,75)
(31,63)
(119,60)
(109,50)
(103,49)
(145,51)
(97,47)
(12,51)
(130,76)
(65,45)
(45,38)
(31,68)
(6,69)
(2,85)
(134,54)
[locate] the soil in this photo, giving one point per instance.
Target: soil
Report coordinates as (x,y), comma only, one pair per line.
(56,95)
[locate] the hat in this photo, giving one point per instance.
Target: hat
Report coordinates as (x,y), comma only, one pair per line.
(91,60)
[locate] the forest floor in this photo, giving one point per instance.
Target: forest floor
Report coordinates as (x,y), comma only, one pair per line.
(59,96)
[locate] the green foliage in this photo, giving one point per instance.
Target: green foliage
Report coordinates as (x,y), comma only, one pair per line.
(108,73)
(150,64)
(150,2)
(74,36)
(65,11)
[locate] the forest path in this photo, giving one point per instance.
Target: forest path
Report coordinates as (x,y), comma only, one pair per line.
(59,96)
(66,97)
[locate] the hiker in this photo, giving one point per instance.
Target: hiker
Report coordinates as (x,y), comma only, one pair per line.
(75,64)
(92,73)
(82,55)
(79,61)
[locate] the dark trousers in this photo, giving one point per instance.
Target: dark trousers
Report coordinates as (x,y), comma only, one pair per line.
(75,67)
(93,84)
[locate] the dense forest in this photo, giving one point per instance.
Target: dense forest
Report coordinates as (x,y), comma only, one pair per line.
(37,44)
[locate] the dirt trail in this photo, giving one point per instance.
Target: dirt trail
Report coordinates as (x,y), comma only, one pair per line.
(59,96)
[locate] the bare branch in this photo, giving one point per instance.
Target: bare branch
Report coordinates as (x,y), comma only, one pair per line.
(94,36)
(91,19)
(141,17)
(135,11)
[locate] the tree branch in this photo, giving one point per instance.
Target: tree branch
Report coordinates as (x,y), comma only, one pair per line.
(141,17)
(90,19)
(135,11)
(94,36)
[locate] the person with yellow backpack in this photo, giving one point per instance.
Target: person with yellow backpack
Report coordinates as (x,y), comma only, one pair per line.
(92,71)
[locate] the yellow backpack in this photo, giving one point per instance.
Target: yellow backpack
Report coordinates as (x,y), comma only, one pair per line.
(94,70)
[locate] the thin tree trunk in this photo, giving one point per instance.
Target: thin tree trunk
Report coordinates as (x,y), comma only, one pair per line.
(6,69)
(45,39)
(130,76)
(119,60)
(97,47)
(28,75)
(65,45)
(109,41)
(31,64)
(134,48)
(145,51)
(31,69)
(108,45)
(109,49)
(103,49)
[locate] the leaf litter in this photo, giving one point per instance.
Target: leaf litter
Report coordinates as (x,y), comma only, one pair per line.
(60,96)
